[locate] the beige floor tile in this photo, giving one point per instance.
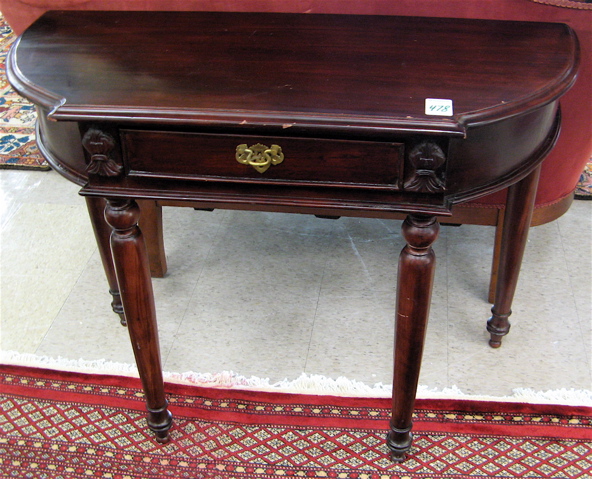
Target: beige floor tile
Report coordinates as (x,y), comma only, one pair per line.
(247,337)
(30,303)
(353,336)
(46,236)
(40,187)
(274,295)
(575,232)
(44,248)
(86,327)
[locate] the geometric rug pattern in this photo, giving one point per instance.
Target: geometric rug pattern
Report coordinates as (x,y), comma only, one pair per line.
(584,186)
(17,118)
(71,425)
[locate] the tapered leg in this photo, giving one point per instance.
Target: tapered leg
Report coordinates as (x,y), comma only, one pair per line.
(517,218)
(417,265)
(151,225)
(497,246)
(135,285)
(96,210)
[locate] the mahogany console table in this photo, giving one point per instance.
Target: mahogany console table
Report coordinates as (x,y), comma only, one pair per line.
(322,114)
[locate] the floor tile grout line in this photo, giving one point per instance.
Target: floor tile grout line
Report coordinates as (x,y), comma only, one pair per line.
(20,204)
(357,255)
(191,296)
(318,300)
(572,289)
(569,231)
(74,284)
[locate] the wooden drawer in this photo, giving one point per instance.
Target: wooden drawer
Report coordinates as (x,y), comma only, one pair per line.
(280,160)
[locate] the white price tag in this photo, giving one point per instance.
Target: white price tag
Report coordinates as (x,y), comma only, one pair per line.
(438,106)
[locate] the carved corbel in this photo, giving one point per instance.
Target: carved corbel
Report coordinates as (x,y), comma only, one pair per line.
(99,146)
(423,173)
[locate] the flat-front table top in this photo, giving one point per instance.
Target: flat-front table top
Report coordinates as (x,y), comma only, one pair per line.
(363,73)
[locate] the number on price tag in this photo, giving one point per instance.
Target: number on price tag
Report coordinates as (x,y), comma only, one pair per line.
(437,106)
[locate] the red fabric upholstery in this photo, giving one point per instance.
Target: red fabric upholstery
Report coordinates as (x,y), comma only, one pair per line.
(562,167)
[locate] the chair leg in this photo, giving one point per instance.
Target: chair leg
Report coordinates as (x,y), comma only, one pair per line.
(517,219)
(151,225)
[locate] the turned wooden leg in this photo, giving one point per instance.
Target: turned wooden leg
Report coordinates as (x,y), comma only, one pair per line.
(135,285)
(151,225)
(417,265)
(499,230)
(517,218)
(96,210)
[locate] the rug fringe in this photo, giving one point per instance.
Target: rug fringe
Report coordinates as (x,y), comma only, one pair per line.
(311,384)
(97,366)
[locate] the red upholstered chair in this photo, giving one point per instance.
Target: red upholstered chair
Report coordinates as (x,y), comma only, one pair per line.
(560,171)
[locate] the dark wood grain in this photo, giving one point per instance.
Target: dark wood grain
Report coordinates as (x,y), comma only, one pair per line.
(151,225)
(135,286)
(517,219)
(417,266)
(102,231)
(331,71)
(128,113)
(329,77)
(307,161)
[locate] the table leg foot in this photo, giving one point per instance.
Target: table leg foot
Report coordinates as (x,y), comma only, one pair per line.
(160,421)
(117,307)
(495,341)
(498,326)
(399,443)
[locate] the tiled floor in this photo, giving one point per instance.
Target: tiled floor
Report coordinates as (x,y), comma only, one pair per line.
(274,295)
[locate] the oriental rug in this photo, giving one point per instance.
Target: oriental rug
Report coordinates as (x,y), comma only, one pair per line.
(17,118)
(74,425)
(584,186)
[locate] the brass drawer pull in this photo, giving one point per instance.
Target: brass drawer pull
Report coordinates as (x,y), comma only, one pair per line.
(259,156)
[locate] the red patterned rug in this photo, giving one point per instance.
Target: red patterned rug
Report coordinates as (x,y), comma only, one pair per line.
(17,118)
(72,425)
